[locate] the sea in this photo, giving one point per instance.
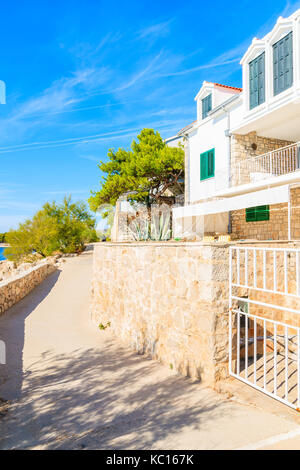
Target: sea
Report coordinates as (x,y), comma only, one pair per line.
(2,257)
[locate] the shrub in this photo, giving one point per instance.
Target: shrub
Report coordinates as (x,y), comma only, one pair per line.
(2,237)
(61,228)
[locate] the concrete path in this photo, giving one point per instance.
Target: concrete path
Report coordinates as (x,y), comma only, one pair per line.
(73,386)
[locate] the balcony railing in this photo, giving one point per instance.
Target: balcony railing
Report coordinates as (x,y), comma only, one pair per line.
(276,163)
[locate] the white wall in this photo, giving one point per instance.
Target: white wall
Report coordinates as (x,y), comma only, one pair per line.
(210,134)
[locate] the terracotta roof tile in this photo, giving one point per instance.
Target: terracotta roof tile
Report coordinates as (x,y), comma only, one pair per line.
(230,87)
(187,126)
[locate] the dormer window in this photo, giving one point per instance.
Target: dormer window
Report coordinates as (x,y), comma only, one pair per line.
(206,106)
(283,64)
(257,81)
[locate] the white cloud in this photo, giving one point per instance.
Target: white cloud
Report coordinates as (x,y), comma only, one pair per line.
(63,92)
(140,74)
(92,158)
(290,8)
(155,30)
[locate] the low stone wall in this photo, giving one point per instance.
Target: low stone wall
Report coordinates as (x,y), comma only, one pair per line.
(169,300)
(14,289)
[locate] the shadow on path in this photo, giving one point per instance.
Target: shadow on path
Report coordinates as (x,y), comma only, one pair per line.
(12,327)
(105,399)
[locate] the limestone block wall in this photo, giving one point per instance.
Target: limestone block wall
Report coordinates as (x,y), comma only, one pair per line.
(249,146)
(276,228)
(15,288)
(168,300)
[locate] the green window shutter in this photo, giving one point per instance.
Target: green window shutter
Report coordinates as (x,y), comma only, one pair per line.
(276,68)
(203,169)
(262,213)
(258,213)
(257,81)
(211,163)
(288,61)
(250,214)
(207,165)
(261,79)
(283,64)
(206,106)
(252,85)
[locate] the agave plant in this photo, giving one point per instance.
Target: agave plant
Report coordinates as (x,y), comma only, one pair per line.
(140,232)
(161,230)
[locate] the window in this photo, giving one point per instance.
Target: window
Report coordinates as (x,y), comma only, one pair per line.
(255,214)
(206,106)
(257,81)
(283,64)
(207,165)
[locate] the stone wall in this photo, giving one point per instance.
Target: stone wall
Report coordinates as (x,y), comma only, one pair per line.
(12,290)
(249,146)
(168,300)
(276,228)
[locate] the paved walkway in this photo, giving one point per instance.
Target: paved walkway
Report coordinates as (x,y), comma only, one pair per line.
(75,387)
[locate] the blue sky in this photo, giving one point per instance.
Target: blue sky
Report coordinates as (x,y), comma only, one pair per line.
(83,77)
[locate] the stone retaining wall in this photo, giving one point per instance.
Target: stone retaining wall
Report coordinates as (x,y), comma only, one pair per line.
(168,300)
(14,289)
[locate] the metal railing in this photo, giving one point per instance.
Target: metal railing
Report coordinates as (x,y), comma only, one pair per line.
(275,163)
(264,323)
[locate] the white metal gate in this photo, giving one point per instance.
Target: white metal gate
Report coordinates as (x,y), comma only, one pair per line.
(264,326)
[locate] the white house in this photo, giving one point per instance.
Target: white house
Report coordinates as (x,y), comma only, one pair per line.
(242,152)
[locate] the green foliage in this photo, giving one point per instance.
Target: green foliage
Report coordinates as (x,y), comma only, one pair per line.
(145,171)
(107,211)
(2,237)
(64,227)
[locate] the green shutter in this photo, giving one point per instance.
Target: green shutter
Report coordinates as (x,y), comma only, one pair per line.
(207,165)
(203,170)
(283,64)
(211,163)
(257,81)
(289,60)
(252,86)
(206,106)
(276,68)
(261,79)
(256,214)
(262,213)
(250,214)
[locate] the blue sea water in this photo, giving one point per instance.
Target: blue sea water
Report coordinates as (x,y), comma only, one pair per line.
(2,257)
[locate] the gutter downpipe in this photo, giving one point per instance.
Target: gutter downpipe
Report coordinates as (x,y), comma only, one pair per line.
(228,135)
(187,195)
